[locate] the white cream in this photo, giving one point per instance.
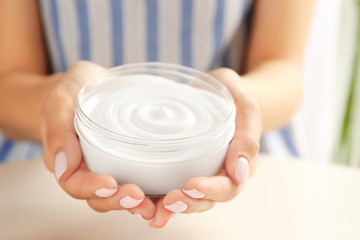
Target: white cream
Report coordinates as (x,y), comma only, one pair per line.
(157,132)
(152,107)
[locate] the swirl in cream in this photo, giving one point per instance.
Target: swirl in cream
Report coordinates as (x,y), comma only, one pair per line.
(152,107)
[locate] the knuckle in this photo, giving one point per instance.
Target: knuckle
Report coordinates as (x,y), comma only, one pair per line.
(79,73)
(246,100)
(251,146)
(59,92)
(228,76)
(79,64)
(57,97)
(54,139)
(227,72)
(253,104)
(52,134)
(247,146)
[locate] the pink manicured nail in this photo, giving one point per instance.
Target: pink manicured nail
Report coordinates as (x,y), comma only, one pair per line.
(177,207)
(141,219)
(105,192)
(242,170)
(129,202)
(60,164)
(194,193)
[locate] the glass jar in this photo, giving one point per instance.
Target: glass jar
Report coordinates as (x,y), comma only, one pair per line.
(156,125)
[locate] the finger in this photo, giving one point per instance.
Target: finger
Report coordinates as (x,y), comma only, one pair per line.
(177,201)
(70,171)
(241,158)
(83,184)
(162,215)
(128,196)
(145,212)
(217,188)
(62,148)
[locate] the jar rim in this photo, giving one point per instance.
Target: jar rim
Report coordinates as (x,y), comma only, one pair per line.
(213,133)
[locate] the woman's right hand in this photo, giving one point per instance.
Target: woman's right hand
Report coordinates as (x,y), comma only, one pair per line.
(63,155)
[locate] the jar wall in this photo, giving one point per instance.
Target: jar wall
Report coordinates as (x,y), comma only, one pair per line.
(153,179)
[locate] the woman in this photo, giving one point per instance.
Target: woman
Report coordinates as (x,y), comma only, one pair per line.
(205,34)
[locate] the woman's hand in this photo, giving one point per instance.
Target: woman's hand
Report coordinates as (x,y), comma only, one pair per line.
(201,193)
(63,156)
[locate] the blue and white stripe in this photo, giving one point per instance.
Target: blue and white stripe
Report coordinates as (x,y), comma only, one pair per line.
(203,34)
(117,32)
(152,30)
(169,19)
(18,151)
(194,33)
(280,142)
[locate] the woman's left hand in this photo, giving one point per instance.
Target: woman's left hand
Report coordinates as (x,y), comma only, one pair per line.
(201,193)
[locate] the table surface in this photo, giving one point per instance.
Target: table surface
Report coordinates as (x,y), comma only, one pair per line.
(286,199)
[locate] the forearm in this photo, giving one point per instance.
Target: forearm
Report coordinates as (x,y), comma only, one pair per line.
(21,98)
(276,43)
(276,85)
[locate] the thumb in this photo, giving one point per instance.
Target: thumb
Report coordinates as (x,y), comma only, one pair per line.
(241,158)
(62,152)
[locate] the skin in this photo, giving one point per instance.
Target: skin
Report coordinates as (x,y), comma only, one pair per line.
(42,105)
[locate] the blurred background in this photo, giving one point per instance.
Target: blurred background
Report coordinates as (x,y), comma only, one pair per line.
(327,125)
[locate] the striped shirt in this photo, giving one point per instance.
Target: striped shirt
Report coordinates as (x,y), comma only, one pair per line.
(203,34)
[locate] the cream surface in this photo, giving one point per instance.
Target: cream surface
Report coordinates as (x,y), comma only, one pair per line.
(152,107)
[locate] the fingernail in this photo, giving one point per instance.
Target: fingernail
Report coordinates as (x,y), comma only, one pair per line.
(129,202)
(105,192)
(60,164)
(194,193)
(177,207)
(242,170)
(141,219)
